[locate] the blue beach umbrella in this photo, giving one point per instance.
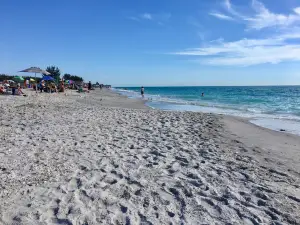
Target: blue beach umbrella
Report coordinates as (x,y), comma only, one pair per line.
(48,78)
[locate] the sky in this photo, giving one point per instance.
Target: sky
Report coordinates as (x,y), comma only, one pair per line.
(155,42)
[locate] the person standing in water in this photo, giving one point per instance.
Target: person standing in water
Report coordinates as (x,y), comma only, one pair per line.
(142,91)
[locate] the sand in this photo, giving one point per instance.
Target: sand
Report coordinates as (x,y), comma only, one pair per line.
(100,158)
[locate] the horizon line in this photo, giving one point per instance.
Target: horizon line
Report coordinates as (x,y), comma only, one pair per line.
(263,85)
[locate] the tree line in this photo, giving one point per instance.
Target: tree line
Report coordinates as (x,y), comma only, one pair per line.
(54,72)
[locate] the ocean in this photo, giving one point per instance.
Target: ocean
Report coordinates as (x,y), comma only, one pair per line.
(273,107)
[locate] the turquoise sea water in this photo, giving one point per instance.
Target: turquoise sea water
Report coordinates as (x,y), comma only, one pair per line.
(275,107)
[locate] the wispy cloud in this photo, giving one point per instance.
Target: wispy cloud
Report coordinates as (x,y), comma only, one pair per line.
(194,22)
(228,6)
(221,16)
(297,10)
(146,16)
(247,52)
(160,18)
(201,31)
(260,17)
(264,18)
(281,45)
(133,18)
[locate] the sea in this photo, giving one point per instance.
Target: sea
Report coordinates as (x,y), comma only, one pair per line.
(273,107)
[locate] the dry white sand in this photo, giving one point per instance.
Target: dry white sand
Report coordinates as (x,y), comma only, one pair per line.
(100,158)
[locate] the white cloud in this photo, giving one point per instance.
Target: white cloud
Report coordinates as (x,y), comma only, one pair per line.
(264,18)
(261,17)
(160,19)
(291,34)
(258,55)
(146,16)
(247,52)
(227,4)
(221,16)
(133,18)
(297,10)
(280,46)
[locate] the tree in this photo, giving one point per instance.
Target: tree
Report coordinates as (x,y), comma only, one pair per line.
(11,77)
(54,72)
(5,77)
(97,83)
(67,76)
(72,77)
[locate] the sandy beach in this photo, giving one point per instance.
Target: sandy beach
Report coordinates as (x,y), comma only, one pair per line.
(101,158)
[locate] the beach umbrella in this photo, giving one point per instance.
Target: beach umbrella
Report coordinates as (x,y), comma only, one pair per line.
(18,78)
(35,70)
(48,78)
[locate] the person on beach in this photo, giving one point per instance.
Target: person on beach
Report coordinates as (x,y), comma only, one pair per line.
(6,86)
(142,91)
(19,90)
(53,88)
(62,86)
(90,85)
(42,86)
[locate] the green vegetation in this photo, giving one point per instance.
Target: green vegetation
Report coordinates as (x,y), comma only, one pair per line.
(54,72)
(72,77)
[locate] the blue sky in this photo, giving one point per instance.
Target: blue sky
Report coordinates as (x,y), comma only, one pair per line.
(155,42)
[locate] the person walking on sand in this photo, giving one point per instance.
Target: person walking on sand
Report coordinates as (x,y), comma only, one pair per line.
(90,86)
(142,91)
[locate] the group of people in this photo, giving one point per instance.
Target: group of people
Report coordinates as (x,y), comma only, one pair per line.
(43,86)
(51,87)
(15,89)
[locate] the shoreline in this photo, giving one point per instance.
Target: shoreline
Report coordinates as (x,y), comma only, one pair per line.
(238,118)
(269,141)
(276,123)
(102,158)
